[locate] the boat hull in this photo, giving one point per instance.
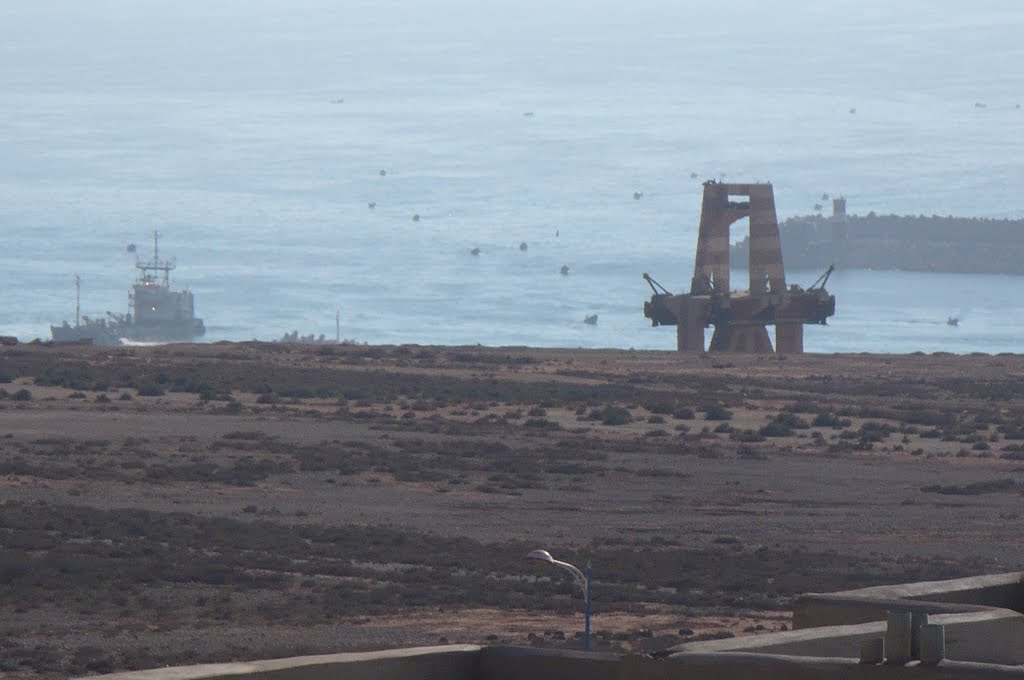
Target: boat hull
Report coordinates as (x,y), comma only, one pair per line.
(96,334)
(177,331)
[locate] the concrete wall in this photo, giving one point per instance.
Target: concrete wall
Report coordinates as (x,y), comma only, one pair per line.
(816,611)
(979,613)
(984,639)
(504,663)
(730,666)
(993,590)
(454,662)
(935,597)
(517,663)
(989,636)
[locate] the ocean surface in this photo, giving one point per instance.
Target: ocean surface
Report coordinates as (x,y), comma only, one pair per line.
(252,134)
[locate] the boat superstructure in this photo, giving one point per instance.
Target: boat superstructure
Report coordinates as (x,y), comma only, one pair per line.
(156,313)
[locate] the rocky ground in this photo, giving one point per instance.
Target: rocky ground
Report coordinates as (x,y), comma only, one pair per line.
(176,504)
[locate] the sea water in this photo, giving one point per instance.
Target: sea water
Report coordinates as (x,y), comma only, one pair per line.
(252,135)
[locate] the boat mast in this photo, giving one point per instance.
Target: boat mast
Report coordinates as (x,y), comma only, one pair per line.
(152,270)
(78,298)
(156,257)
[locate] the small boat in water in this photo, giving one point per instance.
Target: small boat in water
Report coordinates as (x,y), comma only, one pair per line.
(590,319)
(953,321)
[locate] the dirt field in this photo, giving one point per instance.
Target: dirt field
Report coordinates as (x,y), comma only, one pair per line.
(179,504)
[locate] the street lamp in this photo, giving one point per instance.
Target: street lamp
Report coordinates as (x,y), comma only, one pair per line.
(583,581)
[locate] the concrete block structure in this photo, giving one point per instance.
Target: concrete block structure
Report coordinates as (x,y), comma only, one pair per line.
(964,629)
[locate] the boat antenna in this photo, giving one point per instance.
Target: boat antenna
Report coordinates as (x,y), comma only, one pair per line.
(78,298)
(156,257)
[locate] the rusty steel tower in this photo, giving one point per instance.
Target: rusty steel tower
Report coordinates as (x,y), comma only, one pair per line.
(740,318)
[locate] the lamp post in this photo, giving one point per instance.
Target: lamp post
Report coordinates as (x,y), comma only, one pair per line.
(582,580)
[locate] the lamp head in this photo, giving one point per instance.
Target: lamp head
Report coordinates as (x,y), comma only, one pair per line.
(541,556)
